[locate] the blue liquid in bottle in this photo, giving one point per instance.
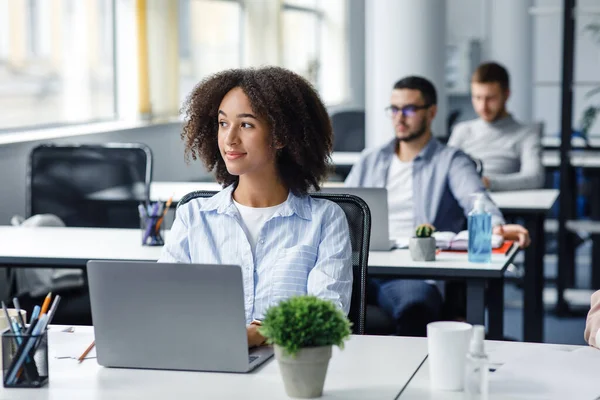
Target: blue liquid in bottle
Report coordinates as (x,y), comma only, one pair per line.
(480,234)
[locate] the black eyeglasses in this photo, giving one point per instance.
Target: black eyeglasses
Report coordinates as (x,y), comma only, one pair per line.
(408,110)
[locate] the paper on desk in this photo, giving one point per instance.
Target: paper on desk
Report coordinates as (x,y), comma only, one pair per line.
(401,242)
(550,374)
(65,345)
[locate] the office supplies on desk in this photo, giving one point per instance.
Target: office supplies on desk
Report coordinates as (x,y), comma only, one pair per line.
(151,223)
(34,340)
(126,314)
(19,314)
(86,351)
(53,308)
(46,304)
(162,217)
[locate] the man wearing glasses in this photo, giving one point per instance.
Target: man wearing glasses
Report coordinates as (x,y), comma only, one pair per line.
(427,182)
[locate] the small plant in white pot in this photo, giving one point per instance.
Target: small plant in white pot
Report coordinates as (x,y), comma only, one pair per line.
(303,329)
(422,246)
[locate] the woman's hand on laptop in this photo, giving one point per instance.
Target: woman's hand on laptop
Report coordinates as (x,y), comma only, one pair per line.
(254,337)
(514,232)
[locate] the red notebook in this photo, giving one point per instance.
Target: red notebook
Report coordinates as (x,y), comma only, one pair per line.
(504,249)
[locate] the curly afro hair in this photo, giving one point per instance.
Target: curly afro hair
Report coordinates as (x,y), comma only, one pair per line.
(295,114)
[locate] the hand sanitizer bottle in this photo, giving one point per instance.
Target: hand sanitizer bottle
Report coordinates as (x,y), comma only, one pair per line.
(480,232)
(476,373)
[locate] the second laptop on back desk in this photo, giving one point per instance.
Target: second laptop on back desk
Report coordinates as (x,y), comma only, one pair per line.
(376,199)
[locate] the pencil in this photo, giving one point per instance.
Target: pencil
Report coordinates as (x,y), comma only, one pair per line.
(46,304)
(85,353)
(160,220)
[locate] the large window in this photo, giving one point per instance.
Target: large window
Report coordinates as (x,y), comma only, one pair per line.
(301,37)
(56,62)
(305,36)
(209,39)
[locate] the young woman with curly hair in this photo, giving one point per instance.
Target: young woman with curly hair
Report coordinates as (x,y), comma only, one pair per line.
(267,136)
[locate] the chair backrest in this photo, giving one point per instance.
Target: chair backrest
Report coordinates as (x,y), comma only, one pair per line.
(60,179)
(349,131)
(359,222)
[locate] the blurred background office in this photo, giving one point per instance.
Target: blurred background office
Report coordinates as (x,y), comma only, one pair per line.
(97,71)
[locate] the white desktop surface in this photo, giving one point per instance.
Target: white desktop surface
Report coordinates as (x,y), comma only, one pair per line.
(75,246)
(341,158)
(539,199)
(369,367)
(579,158)
(50,245)
(498,353)
(443,260)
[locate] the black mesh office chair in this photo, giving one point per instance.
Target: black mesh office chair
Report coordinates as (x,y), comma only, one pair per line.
(349,130)
(60,179)
(359,221)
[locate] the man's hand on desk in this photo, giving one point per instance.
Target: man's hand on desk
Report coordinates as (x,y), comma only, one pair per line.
(254,337)
(514,232)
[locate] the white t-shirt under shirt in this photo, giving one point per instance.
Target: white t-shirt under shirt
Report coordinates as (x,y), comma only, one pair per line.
(253,219)
(400,198)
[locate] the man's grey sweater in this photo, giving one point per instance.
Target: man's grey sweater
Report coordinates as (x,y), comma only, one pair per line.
(511,153)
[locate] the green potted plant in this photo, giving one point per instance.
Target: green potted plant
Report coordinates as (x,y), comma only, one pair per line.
(422,245)
(303,329)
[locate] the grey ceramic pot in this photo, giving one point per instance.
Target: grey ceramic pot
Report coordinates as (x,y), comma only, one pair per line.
(304,375)
(422,249)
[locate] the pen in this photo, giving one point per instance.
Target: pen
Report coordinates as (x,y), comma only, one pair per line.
(142,211)
(8,319)
(34,314)
(53,308)
(18,308)
(46,304)
(86,352)
(164,213)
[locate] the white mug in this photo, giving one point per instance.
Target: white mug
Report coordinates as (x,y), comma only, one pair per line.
(447,345)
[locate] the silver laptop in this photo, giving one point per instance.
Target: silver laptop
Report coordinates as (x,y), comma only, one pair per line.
(376,199)
(171,316)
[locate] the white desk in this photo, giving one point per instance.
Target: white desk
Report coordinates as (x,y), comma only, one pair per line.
(478,277)
(64,247)
(498,353)
(579,158)
(525,200)
(346,159)
(369,367)
(73,247)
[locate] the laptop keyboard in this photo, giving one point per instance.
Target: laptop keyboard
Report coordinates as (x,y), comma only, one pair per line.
(252,358)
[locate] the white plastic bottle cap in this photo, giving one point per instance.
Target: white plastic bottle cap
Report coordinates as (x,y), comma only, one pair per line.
(477,340)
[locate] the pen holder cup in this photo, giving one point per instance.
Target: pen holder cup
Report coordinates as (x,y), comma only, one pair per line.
(24,360)
(153,230)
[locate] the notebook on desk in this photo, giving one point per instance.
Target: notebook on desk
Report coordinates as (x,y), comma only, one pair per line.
(171,316)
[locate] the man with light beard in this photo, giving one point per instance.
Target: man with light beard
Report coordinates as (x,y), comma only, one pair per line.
(427,182)
(511,152)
